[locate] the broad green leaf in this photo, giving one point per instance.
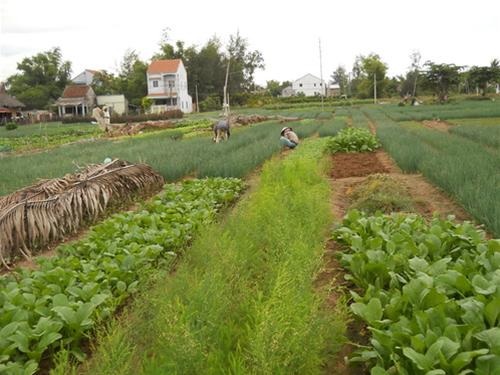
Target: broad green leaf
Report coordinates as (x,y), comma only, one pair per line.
(492,311)
(30,368)
(483,286)
(492,338)
(449,347)
(418,264)
(371,312)
(420,360)
(432,298)
(48,339)
(9,329)
(121,286)
(66,313)
(487,365)
(378,371)
(436,372)
(60,300)
(464,358)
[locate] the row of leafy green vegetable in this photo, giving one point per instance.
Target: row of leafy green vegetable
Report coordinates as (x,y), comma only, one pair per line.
(36,141)
(353,140)
(430,293)
(59,303)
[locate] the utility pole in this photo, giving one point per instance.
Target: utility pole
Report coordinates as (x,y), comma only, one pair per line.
(226,94)
(375,88)
(323,87)
(197,104)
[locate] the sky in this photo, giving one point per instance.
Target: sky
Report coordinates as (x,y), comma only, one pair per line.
(94,34)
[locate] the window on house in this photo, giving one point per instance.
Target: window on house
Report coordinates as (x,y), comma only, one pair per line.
(300,84)
(321,84)
(155,83)
(314,85)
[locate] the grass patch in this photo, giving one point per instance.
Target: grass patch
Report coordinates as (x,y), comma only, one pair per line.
(243,300)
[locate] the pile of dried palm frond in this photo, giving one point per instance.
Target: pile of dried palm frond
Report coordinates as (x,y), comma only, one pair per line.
(135,128)
(252,119)
(38,215)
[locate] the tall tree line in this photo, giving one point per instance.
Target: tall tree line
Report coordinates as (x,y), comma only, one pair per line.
(41,78)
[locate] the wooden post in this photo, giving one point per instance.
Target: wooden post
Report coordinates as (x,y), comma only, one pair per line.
(321,77)
(375,88)
(226,94)
(197,104)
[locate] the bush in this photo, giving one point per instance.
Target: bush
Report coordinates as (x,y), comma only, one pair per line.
(353,140)
(10,126)
(211,103)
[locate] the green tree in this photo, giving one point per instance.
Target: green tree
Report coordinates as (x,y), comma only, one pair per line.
(105,83)
(440,78)
(131,80)
(41,79)
(244,63)
(273,88)
(372,68)
(482,76)
(205,68)
(415,67)
(340,77)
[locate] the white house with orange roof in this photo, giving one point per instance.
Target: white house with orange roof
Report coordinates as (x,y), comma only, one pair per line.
(168,87)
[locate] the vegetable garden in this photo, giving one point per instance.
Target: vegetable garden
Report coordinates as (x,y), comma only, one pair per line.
(267,286)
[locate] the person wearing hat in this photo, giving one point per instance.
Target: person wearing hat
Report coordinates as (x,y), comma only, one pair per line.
(289,138)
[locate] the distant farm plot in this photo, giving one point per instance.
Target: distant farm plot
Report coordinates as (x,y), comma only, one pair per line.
(459,110)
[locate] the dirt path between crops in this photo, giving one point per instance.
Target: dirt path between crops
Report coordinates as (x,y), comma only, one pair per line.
(441,126)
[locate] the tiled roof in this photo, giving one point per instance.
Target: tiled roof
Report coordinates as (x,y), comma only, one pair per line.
(8,101)
(75,91)
(164,66)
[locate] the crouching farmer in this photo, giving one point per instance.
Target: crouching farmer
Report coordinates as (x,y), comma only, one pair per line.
(221,131)
(289,138)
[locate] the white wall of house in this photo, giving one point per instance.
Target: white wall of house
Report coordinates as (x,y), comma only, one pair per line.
(310,85)
(117,103)
(84,78)
(287,92)
(166,85)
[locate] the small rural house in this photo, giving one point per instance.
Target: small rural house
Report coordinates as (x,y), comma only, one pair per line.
(333,90)
(85,78)
(168,87)
(287,92)
(76,100)
(9,106)
(309,85)
(117,104)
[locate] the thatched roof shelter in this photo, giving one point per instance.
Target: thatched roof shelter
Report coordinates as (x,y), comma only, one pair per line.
(7,101)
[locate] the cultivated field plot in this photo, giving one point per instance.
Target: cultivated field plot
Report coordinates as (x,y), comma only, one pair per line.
(463,160)
(173,159)
(271,288)
(457,110)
